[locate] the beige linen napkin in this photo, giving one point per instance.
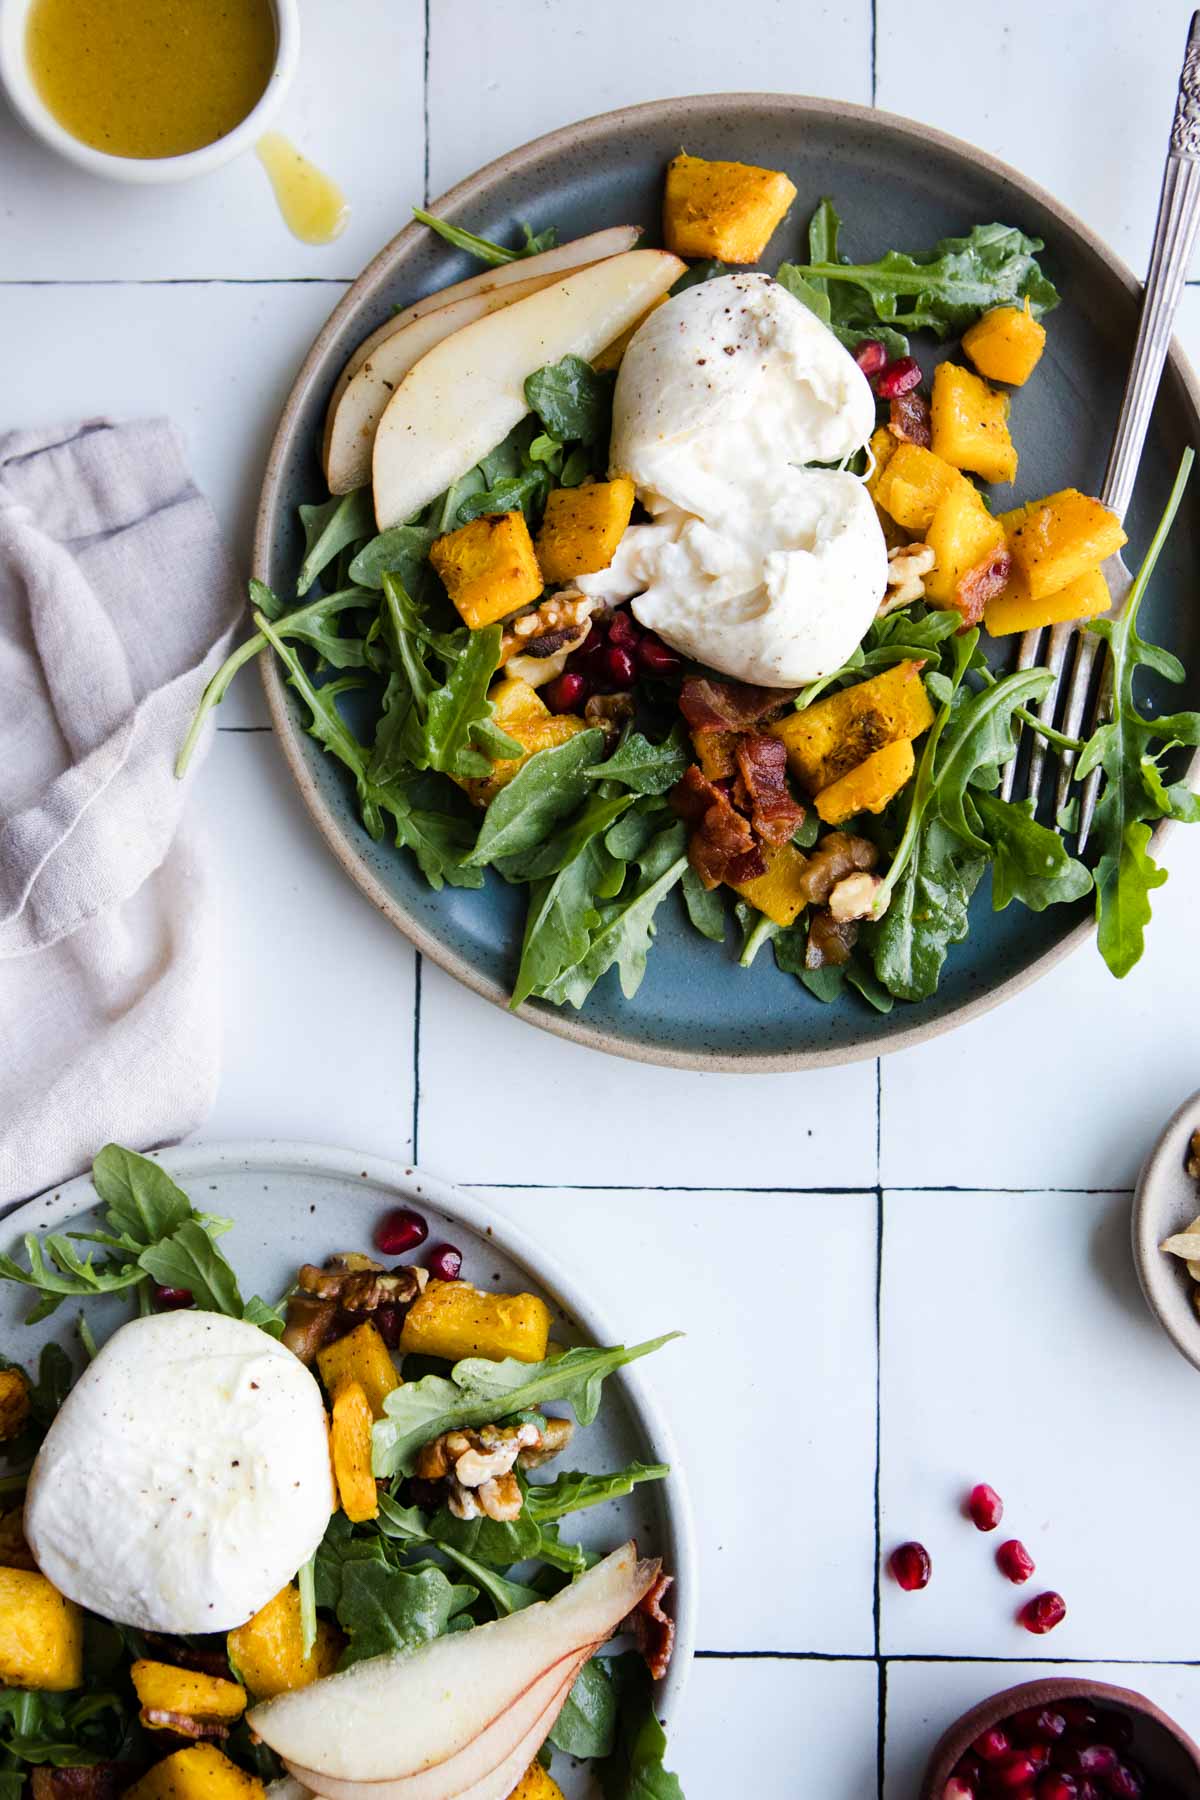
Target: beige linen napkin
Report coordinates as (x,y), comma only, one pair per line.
(117,602)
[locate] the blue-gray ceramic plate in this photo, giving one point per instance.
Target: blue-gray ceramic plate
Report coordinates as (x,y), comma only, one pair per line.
(898,184)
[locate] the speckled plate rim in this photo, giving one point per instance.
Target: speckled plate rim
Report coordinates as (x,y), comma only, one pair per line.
(692,112)
(1164,1281)
(350,1168)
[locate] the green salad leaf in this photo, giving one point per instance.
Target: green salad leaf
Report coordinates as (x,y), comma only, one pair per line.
(483,248)
(382,1610)
(573,400)
(646,768)
(549,787)
(574,1490)
(330,528)
(705,907)
(587,1725)
(635,1769)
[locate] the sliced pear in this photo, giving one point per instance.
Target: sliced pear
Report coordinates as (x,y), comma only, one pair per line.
(393,1716)
(465,396)
(354,414)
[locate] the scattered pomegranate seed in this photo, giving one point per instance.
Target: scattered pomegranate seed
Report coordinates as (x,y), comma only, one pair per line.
(400,1230)
(1088,1790)
(1098,1759)
(1054,1784)
(1014,1560)
(1125,1783)
(992,1744)
(985,1507)
(389,1322)
(1037,1725)
(958,1788)
(870,356)
(1016,1770)
(911,1567)
(898,377)
(564,693)
(623,630)
(169,1299)
(657,658)
(619,666)
(444,1262)
(1043,1613)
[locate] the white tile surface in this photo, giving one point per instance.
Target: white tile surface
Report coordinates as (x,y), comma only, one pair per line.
(924,1698)
(356,109)
(1017,1350)
(761,1284)
(778,1730)
(601,1119)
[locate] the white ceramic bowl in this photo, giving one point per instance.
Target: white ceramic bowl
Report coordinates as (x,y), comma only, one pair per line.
(29,106)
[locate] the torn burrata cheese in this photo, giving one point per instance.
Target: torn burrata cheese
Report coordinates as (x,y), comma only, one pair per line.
(754,564)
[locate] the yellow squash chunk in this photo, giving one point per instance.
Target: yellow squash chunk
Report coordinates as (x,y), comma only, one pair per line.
(350,1441)
(41,1634)
(360,1356)
(831,737)
(162,1688)
(268,1651)
(722,209)
(536,1784)
(969,424)
(1006,344)
(883,447)
(716,753)
(524,716)
(14,1403)
(780,892)
(1055,540)
(961,534)
(14,1551)
(1014,609)
(913,483)
(870,786)
(488,567)
(454,1319)
(582,528)
(198,1773)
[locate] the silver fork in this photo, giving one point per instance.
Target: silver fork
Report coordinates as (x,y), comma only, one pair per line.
(1170,256)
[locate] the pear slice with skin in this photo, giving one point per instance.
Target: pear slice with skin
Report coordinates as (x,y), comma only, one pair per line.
(354,416)
(562,260)
(465,396)
(401,1714)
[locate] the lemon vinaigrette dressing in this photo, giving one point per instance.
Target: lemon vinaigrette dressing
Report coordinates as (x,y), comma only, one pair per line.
(150,78)
(313,206)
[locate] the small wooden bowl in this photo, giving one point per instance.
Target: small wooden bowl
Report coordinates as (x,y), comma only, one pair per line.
(1161,1747)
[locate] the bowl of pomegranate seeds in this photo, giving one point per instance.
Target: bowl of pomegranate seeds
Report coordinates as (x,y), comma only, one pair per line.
(1064,1739)
(1166,1229)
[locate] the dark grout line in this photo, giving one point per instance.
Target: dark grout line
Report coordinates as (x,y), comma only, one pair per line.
(877,1597)
(341,281)
(244,730)
(918,1656)
(728,1187)
(874,67)
(425,102)
(416,1108)
(880,1729)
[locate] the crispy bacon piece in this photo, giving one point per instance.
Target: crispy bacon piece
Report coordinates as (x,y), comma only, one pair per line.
(653,1630)
(721,846)
(203,1661)
(981,584)
(729,705)
(762,790)
(99,1781)
(909,420)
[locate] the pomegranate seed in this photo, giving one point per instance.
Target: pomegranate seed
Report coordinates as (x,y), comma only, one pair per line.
(169,1299)
(1125,1783)
(1037,1726)
(400,1230)
(1098,1759)
(389,1322)
(992,1744)
(1043,1613)
(1014,1560)
(444,1262)
(1080,1715)
(618,666)
(870,356)
(911,1567)
(622,629)
(985,1507)
(1055,1785)
(959,1789)
(899,377)
(1089,1791)
(564,693)
(1016,1770)
(657,658)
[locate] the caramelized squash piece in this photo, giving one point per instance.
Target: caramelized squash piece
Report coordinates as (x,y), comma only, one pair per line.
(350,1442)
(14,1403)
(1015,609)
(969,422)
(537,1784)
(453,1319)
(523,715)
(197,1773)
(780,893)
(723,209)
(488,567)
(870,786)
(268,1651)
(41,1634)
(1006,344)
(961,534)
(14,1551)
(360,1356)
(831,737)
(913,483)
(163,1688)
(582,528)
(1055,540)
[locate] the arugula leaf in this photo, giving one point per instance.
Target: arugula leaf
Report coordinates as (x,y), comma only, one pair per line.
(329,529)
(574,1490)
(483,248)
(401,550)
(1030,863)
(408,1525)
(500,1543)
(143,1203)
(928,912)
(59,1273)
(562,913)
(587,1725)
(847,313)
(544,791)
(525,492)
(573,400)
(707,270)
(384,1609)
(646,768)
(625,929)
(479,1392)
(635,1770)
(705,907)
(457,709)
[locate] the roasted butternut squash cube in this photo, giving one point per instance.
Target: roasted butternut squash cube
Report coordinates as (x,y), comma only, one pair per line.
(582,528)
(1055,540)
(268,1651)
(41,1634)
(524,715)
(780,892)
(912,483)
(883,447)
(14,1403)
(537,1784)
(14,1551)
(1014,609)
(870,786)
(1006,344)
(716,752)
(831,737)
(489,567)
(350,1443)
(723,209)
(197,1773)
(961,534)
(360,1356)
(163,1689)
(454,1320)
(969,424)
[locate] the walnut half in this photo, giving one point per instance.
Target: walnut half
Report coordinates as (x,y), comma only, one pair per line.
(477,1465)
